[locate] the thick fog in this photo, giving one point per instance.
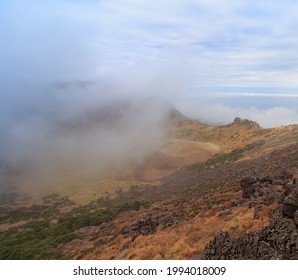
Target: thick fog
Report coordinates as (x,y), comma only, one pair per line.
(62,103)
(79,124)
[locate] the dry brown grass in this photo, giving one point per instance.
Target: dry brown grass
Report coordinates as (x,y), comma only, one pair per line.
(188,239)
(176,154)
(183,240)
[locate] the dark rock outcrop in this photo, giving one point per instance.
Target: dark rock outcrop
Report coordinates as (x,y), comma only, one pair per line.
(296,218)
(265,189)
(246,123)
(279,240)
(291,203)
(142,227)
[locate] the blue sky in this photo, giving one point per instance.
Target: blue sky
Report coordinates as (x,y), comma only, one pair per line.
(212,59)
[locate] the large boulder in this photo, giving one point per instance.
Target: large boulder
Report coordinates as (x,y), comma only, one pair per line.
(296,218)
(265,189)
(291,203)
(248,187)
(143,227)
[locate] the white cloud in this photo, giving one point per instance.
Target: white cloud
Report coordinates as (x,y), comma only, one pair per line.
(209,110)
(248,94)
(246,43)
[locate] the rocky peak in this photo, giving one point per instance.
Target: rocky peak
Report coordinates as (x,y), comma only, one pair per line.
(246,123)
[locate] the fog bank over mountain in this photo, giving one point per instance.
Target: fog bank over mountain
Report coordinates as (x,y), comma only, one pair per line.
(80,124)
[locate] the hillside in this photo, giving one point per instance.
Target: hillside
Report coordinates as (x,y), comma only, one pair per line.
(167,206)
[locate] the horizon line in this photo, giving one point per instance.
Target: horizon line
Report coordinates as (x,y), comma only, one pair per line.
(248,94)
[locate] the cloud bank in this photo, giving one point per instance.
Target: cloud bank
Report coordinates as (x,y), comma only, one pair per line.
(219,111)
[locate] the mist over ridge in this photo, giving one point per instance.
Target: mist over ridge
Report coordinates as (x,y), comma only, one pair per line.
(72,126)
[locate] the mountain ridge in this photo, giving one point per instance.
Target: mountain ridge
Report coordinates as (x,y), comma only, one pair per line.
(168,206)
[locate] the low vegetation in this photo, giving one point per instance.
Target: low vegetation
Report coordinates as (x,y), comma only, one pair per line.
(50,208)
(41,237)
(223,158)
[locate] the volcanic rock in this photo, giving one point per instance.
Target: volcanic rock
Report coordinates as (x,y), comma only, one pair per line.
(142,227)
(278,240)
(291,203)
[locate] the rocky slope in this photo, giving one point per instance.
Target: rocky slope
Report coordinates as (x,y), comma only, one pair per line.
(278,240)
(172,204)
